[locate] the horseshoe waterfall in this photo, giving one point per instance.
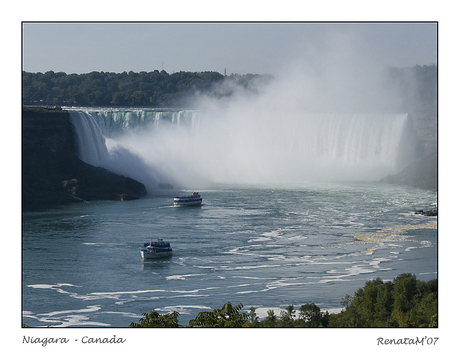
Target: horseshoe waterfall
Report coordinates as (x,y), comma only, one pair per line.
(188,148)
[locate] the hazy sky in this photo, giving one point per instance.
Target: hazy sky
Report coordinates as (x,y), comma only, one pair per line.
(237,47)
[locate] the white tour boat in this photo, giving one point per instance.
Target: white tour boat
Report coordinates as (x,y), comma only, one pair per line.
(185,201)
(155,250)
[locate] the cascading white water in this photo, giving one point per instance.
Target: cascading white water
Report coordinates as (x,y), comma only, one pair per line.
(116,121)
(189,148)
(90,140)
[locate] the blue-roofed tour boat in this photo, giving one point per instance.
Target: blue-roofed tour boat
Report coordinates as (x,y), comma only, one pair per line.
(155,250)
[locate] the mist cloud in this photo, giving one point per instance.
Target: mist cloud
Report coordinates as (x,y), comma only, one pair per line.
(306,124)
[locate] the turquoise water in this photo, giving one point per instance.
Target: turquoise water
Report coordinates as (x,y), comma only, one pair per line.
(264,246)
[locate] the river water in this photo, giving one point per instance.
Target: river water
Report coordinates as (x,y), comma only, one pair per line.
(266,246)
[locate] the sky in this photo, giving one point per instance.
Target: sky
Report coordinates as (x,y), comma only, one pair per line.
(231,47)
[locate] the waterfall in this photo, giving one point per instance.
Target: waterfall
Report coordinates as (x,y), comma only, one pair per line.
(90,140)
(351,138)
(191,148)
(115,121)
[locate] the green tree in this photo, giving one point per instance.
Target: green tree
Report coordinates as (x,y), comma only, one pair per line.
(253,319)
(154,319)
(153,89)
(310,314)
(227,316)
(405,302)
(384,305)
(287,317)
(270,320)
(404,291)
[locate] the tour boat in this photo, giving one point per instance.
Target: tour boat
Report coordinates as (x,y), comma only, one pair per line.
(155,250)
(193,200)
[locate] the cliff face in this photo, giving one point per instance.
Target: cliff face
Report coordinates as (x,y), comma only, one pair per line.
(423,172)
(52,173)
(419,90)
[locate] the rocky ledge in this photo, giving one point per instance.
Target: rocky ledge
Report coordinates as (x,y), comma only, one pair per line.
(52,173)
(427,213)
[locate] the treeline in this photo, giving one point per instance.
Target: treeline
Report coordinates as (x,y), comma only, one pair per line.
(417,86)
(403,302)
(144,89)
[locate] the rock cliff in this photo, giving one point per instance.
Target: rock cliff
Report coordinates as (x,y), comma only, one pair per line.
(423,172)
(52,173)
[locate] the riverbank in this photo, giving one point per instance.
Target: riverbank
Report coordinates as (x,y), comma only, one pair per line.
(403,302)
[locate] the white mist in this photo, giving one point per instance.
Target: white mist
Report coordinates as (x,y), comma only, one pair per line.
(328,117)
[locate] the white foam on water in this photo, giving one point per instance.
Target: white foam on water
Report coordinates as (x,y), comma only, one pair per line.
(260,239)
(183,277)
(261,312)
(121,313)
(376,262)
(282,283)
(297,238)
(429,273)
(182,309)
(276,257)
(333,280)
(68,318)
(127,292)
(253,277)
(342,275)
(92,308)
(193,290)
(205,267)
(248,267)
(273,234)
(358,270)
(51,286)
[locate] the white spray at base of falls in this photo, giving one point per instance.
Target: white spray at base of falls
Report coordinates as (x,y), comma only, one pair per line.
(194,149)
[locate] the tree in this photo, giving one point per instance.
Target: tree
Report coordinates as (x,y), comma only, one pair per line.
(227,316)
(404,290)
(405,302)
(384,305)
(154,89)
(270,320)
(154,319)
(287,317)
(254,320)
(310,314)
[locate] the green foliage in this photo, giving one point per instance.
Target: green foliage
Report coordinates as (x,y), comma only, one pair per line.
(287,317)
(253,319)
(270,320)
(144,89)
(227,316)
(311,315)
(404,302)
(154,319)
